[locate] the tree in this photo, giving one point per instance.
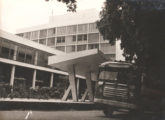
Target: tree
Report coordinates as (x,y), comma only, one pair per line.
(71,4)
(140,25)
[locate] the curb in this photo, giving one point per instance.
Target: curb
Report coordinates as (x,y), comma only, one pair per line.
(48,105)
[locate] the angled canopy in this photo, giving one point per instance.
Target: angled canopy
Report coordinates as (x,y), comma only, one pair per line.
(84,61)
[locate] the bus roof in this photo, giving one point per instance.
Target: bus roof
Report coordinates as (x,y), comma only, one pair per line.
(116,64)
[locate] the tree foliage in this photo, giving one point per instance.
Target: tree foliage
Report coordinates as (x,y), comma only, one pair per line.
(71,4)
(140,25)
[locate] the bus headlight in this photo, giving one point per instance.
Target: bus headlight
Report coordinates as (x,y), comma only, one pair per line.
(100,87)
(100,83)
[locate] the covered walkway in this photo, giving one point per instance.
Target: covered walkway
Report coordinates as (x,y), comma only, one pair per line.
(84,63)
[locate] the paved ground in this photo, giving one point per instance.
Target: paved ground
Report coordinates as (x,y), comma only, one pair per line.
(67,115)
(52,115)
(19,109)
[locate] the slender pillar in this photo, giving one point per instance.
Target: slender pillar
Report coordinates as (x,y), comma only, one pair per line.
(84,96)
(34,79)
(36,58)
(35,71)
(15,53)
(12,75)
(72,81)
(89,85)
(51,80)
(64,98)
(78,85)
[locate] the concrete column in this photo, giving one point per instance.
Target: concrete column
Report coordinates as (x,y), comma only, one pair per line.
(72,81)
(87,37)
(76,39)
(84,96)
(51,80)
(15,53)
(34,79)
(36,58)
(78,85)
(99,41)
(12,75)
(89,85)
(64,98)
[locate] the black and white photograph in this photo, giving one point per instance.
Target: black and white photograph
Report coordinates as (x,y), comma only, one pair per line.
(82,59)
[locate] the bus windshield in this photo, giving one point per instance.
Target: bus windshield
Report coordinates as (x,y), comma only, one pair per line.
(108,75)
(120,76)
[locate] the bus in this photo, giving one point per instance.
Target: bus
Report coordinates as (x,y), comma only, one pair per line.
(118,87)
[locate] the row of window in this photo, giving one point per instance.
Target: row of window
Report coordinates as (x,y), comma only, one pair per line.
(66,30)
(23,53)
(103,47)
(82,38)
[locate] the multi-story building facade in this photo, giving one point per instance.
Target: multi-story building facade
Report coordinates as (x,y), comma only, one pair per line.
(70,33)
(24,65)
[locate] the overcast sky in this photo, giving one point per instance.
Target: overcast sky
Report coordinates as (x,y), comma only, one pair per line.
(15,14)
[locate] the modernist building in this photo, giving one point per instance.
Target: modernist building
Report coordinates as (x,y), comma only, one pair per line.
(26,62)
(74,43)
(70,33)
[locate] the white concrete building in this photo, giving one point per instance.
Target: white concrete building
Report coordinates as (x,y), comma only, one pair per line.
(70,33)
(70,43)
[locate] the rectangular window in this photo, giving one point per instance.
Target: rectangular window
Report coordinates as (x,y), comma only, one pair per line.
(28,58)
(42,59)
(85,37)
(5,52)
(61,39)
(82,37)
(34,35)
(27,35)
(81,47)
(93,37)
(93,27)
(58,39)
(73,38)
(82,28)
(21,54)
(6,49)
(51,32)
(42,41)
(43,33)
(70,39)
(93,46)
(108,75)
(70,49)
(51,41)
(61,30)
(72,29)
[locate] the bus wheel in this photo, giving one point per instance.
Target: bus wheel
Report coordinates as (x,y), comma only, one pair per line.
(108,111)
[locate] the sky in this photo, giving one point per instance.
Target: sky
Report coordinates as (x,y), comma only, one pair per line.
(15,14)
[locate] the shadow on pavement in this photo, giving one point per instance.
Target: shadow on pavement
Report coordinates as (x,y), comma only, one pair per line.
(142,116)
(46,106)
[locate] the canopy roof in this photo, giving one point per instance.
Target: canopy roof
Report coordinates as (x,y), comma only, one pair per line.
(84,61)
